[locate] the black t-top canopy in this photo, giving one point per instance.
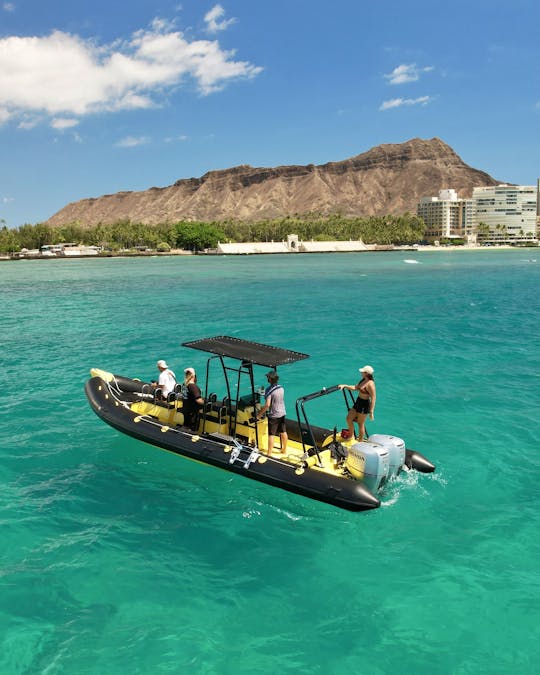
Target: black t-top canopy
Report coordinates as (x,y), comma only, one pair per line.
(243,350)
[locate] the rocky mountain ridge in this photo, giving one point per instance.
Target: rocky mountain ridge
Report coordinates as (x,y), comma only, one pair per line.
(388,179)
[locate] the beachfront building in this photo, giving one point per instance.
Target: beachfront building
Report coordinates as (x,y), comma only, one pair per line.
(506,214)
(447,217)
(70,249)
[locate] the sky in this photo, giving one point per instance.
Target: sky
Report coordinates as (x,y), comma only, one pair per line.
(100,97)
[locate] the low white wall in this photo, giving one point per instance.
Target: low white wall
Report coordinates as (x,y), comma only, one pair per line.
(253,247)
(282,247)
(332,246)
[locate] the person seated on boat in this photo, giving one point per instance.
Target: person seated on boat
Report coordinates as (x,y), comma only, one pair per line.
(274,396)
(364,404)
(192,399)
(166,381)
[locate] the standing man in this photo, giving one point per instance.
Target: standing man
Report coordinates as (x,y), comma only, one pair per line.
(274,396)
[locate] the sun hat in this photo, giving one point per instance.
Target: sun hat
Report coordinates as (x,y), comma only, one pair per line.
(162,364)
(189,370)
(367,369)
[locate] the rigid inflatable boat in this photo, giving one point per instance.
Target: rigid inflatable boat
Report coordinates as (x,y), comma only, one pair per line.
(319,463)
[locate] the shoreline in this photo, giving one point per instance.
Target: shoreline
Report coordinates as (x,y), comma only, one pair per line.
(180,252)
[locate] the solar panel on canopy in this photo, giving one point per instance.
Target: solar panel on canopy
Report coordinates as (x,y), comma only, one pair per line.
(243,350)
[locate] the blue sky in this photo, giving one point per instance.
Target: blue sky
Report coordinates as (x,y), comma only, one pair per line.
(101,97)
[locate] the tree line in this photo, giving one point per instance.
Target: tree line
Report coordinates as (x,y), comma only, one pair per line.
(197,236)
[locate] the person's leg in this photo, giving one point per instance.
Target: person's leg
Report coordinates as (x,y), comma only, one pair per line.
(361,420)
(284,439)
(270,444)
(351,416)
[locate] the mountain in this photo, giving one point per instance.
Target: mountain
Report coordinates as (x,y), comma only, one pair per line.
(388,179)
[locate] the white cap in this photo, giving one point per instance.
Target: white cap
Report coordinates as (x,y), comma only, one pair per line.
(189,370)
(162,364)
(367,369)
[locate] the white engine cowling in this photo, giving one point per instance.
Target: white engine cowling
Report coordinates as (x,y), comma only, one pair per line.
(396,451)
(368,462)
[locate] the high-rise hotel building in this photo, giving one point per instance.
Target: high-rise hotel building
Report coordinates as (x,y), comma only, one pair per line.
(495,215)
(506,213)
(446,216)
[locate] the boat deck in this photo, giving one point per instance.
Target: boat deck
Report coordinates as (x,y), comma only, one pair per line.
(217,421)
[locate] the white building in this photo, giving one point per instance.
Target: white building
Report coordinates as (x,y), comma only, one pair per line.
(447,217)
(292,245)
(506,213)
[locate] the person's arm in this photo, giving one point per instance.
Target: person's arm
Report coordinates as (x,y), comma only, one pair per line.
(350,387)
(267,404)
(158,382)
(373,399)
(195,390)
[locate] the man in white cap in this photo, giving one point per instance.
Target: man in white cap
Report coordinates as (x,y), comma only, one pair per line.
(167,379)
(364,404)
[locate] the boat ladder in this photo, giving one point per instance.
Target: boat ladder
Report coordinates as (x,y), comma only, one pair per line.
(237,449)
(253,457)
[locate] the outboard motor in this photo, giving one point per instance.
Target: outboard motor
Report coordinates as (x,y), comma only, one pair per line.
(396,451)
(368,462)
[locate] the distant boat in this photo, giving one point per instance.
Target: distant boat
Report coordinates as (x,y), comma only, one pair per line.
(411,262)
(79,250)
(68,250)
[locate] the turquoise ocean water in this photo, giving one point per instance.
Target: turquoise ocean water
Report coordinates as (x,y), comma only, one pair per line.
(117,557)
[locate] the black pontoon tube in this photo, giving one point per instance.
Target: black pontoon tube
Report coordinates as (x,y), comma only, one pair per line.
(417,461)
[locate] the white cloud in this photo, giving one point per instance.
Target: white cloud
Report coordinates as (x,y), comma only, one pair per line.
(63,123)
(28,122)
(407,72)
(7,200)
(173,139)
(64,75)
(132,141)
(212,19)
(398,102)
(8,7)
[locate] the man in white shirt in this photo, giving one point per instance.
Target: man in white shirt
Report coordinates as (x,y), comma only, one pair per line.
(167,379)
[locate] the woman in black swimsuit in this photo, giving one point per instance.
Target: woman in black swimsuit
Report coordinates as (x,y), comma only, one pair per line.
(364,404)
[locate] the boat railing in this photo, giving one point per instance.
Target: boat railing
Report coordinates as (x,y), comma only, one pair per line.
(228,411)
(307,434)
